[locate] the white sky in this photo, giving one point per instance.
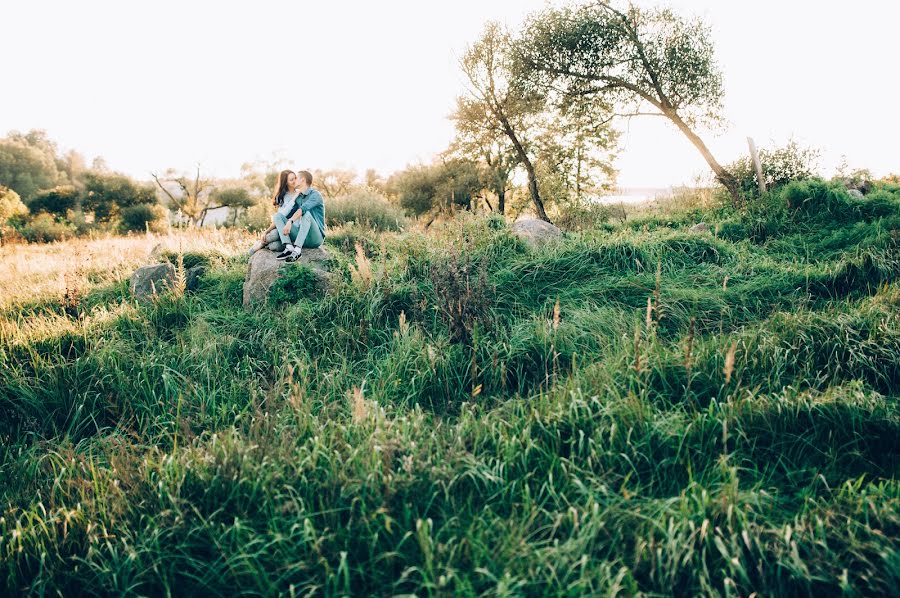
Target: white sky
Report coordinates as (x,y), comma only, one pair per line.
(357,84)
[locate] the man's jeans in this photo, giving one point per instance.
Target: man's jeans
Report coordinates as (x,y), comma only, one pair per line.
(305,232)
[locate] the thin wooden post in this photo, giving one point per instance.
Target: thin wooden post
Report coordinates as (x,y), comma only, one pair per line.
(754,155)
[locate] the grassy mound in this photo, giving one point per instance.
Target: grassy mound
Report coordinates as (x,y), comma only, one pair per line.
(637,409)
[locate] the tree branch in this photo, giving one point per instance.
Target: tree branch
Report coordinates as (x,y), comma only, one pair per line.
(166,191)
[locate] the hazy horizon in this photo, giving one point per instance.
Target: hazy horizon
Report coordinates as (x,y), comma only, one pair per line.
(355,85)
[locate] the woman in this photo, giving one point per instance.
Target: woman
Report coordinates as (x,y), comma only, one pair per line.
(284,199)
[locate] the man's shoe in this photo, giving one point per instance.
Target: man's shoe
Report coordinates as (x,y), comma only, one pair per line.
(294,256)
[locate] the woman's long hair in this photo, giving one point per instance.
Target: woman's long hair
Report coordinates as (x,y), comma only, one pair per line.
(281,188)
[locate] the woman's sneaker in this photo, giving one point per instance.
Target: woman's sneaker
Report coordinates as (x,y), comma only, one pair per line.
(295,255)
(256,247)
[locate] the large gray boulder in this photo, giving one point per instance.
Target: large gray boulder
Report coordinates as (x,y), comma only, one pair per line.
(536,232)
(148,281)
(264,269)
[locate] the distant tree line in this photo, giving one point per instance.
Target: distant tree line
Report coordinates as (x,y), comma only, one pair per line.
(535,129)
(48,194)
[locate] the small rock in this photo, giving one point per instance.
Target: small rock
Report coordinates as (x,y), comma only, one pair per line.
(151,280)
(700,227)
(192,277)
(855,193)
(536,232)
(264,269)
(857,183)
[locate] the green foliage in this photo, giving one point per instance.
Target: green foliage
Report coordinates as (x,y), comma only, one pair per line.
(235,197)
(143,217)
(44,228)
(579,44)
(58,201)
(457,182)
(27,163)
(780,166)
(238,198)
(463,295)
(191,259)
(294,283)
(11,205)
(441,186)
(366,208)
(501,105)
(107,194)
(582,216)
(414,189)
(477,418)
(810,206)
(628,59)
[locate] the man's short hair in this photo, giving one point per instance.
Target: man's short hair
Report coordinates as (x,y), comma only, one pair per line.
(307,176)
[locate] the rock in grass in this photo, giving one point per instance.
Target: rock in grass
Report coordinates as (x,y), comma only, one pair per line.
(536,232)
(192,277)
(264,269)
(151,280)
(856,193)
(700,227)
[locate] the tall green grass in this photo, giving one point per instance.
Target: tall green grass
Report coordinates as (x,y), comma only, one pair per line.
(637,410)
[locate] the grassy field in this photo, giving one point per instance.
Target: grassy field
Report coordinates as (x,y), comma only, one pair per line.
(637,409)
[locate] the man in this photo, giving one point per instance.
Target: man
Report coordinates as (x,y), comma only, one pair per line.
(303,224)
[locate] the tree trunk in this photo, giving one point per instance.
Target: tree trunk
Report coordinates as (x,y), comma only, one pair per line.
(578,173)
(757,165)
(529,167)
(533,190)
(501,200)
(724,177)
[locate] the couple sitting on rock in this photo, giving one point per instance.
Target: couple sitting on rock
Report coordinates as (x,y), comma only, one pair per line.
(300,219)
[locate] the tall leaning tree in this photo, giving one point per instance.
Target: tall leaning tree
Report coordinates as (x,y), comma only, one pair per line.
(497,92)
(479,136)
(644,61)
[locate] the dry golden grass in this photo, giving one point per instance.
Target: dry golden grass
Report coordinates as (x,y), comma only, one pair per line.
(32,272)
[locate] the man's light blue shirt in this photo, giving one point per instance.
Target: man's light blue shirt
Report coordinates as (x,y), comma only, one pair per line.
(311,202)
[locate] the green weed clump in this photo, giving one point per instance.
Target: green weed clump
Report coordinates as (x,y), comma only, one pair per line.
(365,208)
(635,410)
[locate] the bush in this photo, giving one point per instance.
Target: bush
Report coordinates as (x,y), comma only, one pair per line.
(366,208)
(189,259)
(143,217)
(43,228)
(257,217)
(817,199)
(57,201)
(295,283)
(583,216)
(105,194)
(733,230)
(346,237)
(780,166)
(878,204)
(463,294)
(11,208)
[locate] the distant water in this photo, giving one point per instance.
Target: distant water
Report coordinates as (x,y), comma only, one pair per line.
(633,196)
(627,199)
